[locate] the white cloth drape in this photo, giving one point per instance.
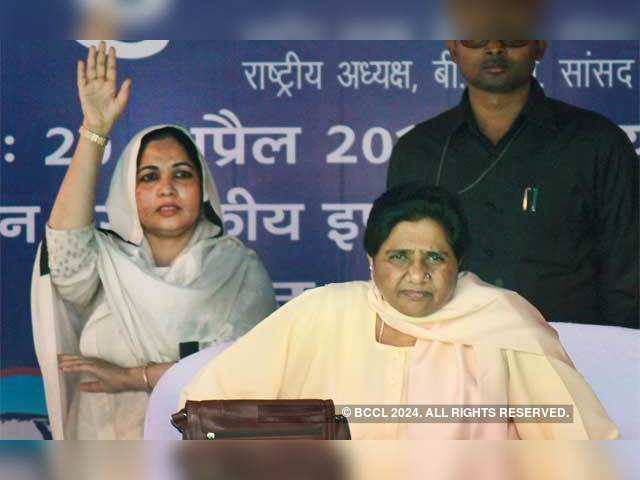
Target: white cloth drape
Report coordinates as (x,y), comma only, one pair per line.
(214,291)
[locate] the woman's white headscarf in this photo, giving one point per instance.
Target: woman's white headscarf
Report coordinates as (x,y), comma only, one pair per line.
(214,290)
(121,201)
(203,287)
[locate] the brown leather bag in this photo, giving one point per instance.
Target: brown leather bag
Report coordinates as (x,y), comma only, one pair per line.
(261,419)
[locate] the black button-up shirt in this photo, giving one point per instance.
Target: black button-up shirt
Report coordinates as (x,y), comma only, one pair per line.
(556,217)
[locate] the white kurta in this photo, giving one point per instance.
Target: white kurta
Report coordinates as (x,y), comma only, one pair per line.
(73,258)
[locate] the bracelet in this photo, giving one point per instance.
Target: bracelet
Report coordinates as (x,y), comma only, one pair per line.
(92,136)
(146,378)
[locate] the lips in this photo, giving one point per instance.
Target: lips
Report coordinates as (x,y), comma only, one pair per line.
(495,67)
(416,295)
(168,210)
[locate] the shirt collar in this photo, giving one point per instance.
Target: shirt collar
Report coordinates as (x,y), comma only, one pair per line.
(537,109)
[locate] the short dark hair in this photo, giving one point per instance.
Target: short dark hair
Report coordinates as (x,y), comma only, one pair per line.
(178,135)
(413,202)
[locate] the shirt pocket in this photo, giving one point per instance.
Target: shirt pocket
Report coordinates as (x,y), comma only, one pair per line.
(554,219)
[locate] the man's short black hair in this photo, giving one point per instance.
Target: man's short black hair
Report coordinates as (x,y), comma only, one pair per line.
(413,202)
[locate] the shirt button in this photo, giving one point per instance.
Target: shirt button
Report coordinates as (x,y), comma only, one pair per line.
(489,252)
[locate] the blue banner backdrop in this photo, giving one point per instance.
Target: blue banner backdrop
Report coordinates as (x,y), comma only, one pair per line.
(297,134)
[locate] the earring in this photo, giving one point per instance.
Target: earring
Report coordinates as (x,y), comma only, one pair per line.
(427,276)
(371,267)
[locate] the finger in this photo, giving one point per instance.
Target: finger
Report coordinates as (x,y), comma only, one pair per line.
(92,387)
(111,65)
(73,355)
(82,76)
(91,63)
(84,360)
(67,357)
(101,62)
(79,368)
(67,363)
(124,93)
(64,361)
(87,365)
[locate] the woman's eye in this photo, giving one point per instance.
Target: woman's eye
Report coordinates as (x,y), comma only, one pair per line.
(434,257)
(398,257)
(184,174)
(149,177)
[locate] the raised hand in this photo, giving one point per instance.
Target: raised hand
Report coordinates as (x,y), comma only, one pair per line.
(102,103)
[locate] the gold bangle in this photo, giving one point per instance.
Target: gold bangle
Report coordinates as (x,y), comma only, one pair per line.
(92,136)
(146,378)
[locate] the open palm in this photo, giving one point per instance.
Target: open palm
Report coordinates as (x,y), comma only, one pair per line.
(102,103)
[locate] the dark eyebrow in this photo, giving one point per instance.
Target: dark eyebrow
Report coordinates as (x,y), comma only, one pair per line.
(175,165)
(398,250)
(406,251)
(147,167)
(183,164)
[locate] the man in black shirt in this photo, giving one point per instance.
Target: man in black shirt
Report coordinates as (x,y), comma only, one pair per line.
(551,190)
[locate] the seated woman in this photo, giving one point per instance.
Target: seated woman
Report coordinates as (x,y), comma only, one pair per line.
(117,306)
(420,332)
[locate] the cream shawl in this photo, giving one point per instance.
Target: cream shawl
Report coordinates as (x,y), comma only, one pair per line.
(486,346)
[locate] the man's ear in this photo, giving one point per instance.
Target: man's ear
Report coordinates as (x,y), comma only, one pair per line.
(541,49)
(452,45)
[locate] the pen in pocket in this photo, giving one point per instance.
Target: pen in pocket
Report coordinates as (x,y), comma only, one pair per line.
(530,199)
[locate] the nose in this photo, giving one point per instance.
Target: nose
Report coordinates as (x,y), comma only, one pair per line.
(495,47)
(166,186)
(418,271)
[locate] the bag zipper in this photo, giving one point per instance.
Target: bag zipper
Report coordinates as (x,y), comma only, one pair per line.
(290,433)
